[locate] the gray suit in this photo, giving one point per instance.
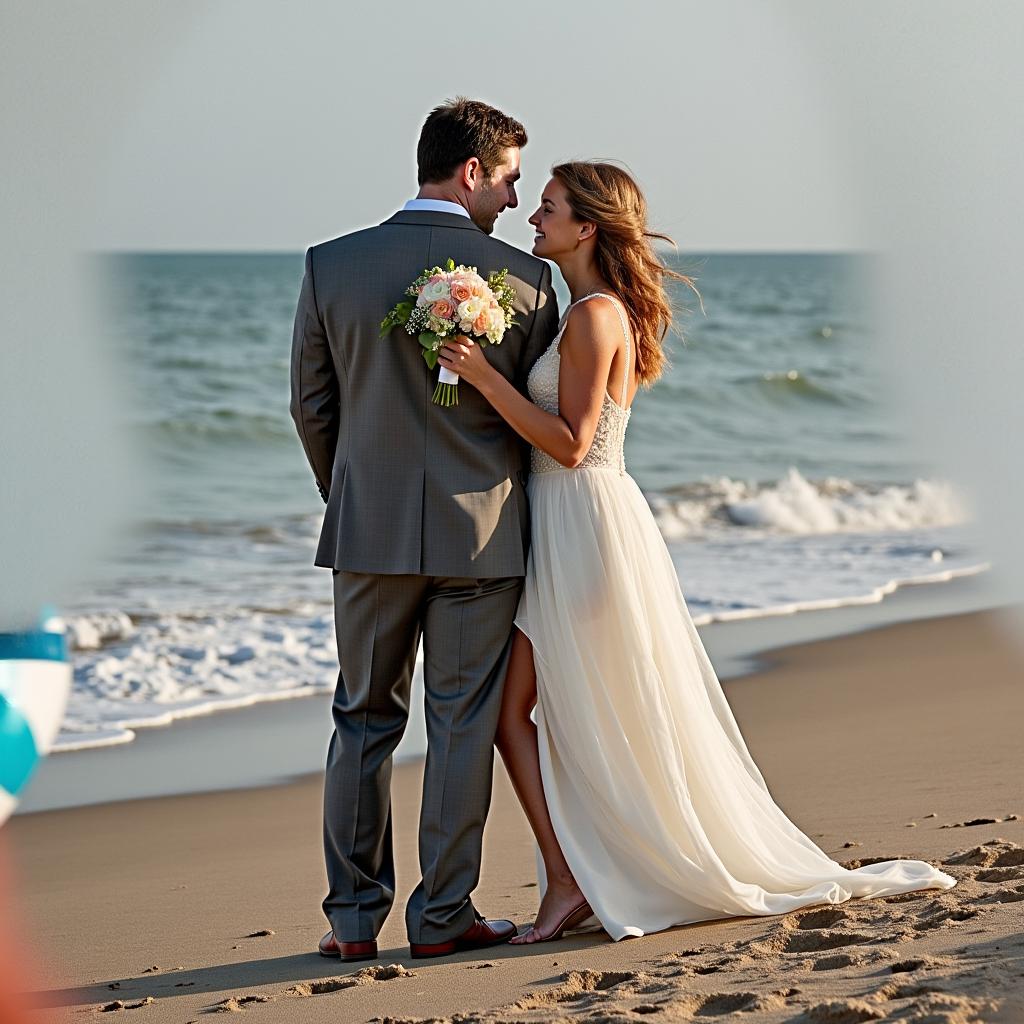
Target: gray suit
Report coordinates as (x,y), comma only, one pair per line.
(427,531)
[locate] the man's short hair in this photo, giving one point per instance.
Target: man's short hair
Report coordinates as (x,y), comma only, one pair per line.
(460,129)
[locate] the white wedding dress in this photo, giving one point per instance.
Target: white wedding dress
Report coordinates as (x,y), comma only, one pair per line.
(661,812)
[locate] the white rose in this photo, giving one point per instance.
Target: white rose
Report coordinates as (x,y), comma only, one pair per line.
(470,309)
(432,291)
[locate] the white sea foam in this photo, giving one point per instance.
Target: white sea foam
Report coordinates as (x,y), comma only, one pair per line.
(90,632)
(172,666)
(876,595)
(795,505)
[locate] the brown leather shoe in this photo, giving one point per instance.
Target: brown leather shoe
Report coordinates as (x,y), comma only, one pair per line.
(330,946)
(479,935)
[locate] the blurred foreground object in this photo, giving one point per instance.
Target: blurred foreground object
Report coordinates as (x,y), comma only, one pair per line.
(35,679)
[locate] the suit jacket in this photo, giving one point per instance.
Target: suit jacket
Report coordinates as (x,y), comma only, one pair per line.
(411,487)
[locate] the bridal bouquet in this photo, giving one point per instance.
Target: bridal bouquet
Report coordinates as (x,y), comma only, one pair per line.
(448,301)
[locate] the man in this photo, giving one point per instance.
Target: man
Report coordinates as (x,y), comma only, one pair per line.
(426,530)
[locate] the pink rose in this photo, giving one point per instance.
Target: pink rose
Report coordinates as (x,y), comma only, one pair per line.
(480,288)
(482,323)
(443,309)
(461,291)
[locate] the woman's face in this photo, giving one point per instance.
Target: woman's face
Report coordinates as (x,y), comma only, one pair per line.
(557,230)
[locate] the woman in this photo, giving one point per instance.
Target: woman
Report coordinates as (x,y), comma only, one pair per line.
(647,807)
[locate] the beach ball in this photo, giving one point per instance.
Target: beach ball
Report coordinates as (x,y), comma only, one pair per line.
(35,680)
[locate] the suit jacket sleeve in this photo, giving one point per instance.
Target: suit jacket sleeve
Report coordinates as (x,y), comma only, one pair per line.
(542,330)
(314,384)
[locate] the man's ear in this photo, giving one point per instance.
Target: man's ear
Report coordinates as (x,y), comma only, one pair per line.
(471,173)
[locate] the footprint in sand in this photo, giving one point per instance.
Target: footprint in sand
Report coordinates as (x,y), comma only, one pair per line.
(944,1008)
(837,961)
(578,985)
(905,897)
(714,1005)
(938,915)
(822,918)
(741,1002)
(810,942)
(788,940)
(914,963)
(718,965)
(1014,895)
(236,1003)
(996,853)
(839,1011)
(935,1006)
(999,874)
(904,990)
(367,976)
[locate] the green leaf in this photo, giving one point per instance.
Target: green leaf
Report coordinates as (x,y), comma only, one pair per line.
(428,339)
(398,316)
(430,358)
(450,265)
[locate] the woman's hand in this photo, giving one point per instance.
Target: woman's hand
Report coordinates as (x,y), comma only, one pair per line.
(592,334)
(465,357)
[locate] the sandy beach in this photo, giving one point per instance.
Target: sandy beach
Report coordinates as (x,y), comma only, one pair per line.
(887,743)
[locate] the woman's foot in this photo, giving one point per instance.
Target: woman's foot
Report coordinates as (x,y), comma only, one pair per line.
(563,906)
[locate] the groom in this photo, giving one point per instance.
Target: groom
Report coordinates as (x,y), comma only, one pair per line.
(426,531)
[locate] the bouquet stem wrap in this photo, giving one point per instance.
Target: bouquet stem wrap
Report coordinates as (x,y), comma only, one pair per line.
(447,391)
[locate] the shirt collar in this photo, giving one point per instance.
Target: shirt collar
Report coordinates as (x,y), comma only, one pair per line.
(437,205)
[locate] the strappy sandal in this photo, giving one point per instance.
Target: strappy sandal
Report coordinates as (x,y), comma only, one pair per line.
(571,920)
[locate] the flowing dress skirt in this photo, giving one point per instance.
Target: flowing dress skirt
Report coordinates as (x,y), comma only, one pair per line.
(662,814)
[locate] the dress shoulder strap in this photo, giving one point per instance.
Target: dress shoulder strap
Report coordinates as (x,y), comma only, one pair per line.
(625,330)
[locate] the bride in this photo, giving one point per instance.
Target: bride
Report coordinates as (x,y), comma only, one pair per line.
(647,807)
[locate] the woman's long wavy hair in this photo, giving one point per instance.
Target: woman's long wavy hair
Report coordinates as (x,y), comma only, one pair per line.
(609,197)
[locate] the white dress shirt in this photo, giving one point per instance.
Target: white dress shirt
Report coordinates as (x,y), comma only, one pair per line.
(438,205)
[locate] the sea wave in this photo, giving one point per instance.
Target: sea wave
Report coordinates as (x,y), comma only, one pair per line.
(785,384)
(796,505)
(220,425)
(793,504)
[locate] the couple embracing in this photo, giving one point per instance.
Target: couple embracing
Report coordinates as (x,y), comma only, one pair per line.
(505,533)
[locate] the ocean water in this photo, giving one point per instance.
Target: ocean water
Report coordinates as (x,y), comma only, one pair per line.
(770,454)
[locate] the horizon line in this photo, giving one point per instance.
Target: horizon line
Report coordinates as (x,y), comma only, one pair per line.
(692,251)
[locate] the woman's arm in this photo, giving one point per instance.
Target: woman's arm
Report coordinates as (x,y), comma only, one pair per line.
(587,347)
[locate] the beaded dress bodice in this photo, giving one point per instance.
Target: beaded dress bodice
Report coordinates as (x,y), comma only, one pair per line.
(608,447)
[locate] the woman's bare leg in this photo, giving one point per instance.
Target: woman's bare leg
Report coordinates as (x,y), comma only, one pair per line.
(517,743)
